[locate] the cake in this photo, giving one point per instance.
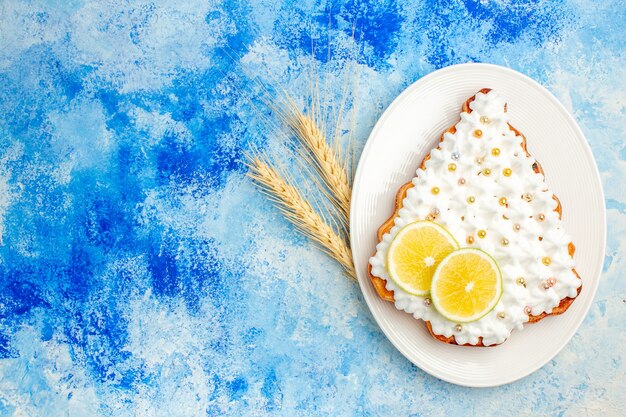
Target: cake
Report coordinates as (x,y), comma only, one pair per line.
(490,194)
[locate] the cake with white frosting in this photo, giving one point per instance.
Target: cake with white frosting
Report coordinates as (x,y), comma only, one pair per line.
(483,187)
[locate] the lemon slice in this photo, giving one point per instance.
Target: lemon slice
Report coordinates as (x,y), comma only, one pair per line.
(415,253)
(466,285)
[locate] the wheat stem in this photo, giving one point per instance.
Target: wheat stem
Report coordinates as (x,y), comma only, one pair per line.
(299,211)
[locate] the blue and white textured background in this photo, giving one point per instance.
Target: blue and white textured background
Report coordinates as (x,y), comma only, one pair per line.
(140,272)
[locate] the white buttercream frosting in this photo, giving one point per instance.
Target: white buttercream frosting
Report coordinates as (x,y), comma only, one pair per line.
(537,252)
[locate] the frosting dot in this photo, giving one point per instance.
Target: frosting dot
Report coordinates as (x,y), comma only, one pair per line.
(481,234)
(507,172)
(435,190)
(495,151)
(452,167)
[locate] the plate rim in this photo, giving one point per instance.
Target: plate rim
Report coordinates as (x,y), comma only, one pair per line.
(587,148)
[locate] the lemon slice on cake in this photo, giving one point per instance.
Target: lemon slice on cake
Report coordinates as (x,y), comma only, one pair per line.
(414,254)
(466,285)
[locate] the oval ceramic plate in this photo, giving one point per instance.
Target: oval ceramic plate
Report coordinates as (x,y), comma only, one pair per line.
(406,132)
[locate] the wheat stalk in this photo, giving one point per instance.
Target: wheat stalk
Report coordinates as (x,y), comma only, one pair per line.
(323,158)
(299,211)
(323,162)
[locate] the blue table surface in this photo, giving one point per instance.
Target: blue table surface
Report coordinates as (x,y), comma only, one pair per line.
(142,274)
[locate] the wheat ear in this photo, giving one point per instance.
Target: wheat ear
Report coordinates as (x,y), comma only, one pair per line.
(299,211)
(324,160)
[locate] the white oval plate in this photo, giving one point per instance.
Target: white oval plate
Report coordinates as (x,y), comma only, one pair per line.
(405,133)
